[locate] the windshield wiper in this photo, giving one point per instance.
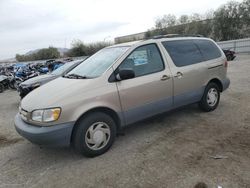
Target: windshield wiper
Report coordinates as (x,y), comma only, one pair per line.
(74,76)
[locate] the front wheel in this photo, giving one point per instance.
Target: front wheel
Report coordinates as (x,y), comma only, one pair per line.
(94,134)
(210,98)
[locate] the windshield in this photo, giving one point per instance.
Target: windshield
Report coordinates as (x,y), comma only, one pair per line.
(98,63)
(63,68)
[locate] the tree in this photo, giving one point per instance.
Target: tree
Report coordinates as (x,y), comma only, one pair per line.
(78,49)
(227,22)
(245,11)
(81,49)
(183,19)
(230,21)
(195,17)
(45,53)
(165,21)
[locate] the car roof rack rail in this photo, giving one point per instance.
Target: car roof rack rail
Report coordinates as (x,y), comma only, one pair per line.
(176,35)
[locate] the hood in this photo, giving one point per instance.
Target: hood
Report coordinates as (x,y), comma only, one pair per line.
(42,79)
(56,92)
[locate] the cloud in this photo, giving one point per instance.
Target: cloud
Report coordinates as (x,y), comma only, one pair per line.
(32,24)
(15,16)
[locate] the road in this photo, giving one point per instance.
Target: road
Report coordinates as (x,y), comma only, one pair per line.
(176,149)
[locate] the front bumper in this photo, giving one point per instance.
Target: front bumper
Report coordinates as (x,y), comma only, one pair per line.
(56,135)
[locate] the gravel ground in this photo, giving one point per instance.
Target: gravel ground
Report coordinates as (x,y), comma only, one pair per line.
(176,149)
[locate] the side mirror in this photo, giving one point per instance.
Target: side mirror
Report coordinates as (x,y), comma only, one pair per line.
(125,74)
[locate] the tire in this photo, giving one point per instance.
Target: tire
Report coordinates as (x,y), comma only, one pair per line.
(12,86)
(94,134)
(229,57)
(1,88)
(210,98)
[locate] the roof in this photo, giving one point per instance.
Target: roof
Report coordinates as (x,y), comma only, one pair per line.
(159,38)
(125,44)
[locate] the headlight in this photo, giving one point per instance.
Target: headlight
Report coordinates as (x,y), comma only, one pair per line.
(46,115)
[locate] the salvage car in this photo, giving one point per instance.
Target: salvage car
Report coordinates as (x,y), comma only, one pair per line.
(4,83)
(120,85)
(27,86)
(230,54)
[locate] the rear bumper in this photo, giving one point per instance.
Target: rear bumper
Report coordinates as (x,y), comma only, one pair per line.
(225,84)
(56,135)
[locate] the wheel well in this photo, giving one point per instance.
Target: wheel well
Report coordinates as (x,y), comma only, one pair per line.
(218,82)
(106,110)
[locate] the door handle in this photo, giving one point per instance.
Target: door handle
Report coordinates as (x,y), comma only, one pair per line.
(165,77)
(178,75)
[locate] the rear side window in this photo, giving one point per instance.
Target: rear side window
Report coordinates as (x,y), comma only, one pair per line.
(183,52)
(208,49)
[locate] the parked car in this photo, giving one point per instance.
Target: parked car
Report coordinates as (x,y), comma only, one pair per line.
(120,85)
(4,83)
(230,54)
(33,83)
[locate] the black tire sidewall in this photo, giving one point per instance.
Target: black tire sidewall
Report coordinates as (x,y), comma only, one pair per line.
(203,103)
(81,128)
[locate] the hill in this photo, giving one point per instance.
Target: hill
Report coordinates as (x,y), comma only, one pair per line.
(60,50)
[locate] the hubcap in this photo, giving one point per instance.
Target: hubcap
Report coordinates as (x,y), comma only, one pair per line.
(97,135)
(212,97)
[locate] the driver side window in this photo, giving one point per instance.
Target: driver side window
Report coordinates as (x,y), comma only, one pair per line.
(144,60)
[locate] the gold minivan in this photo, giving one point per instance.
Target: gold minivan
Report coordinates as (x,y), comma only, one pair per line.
(120,85)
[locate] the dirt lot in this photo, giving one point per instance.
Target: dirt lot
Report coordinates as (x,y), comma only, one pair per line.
(172,150)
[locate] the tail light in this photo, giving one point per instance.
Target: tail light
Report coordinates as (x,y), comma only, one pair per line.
(226,64)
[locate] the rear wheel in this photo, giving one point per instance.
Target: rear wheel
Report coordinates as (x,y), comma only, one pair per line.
(94,134)
(210,98)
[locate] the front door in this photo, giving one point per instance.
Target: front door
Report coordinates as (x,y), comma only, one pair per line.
(151,91)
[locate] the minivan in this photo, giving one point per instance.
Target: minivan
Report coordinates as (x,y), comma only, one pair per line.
(120,85)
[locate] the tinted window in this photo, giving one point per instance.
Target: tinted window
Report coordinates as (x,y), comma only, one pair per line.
(183,52)
(144,60)
(208,49)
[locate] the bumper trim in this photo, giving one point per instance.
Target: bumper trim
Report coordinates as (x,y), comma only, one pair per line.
(56,135)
